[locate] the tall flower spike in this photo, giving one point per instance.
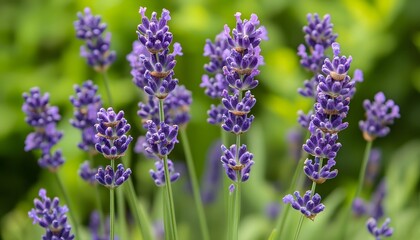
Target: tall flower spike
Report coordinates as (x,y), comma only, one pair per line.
(158,176)
(237,164)
(319,31)
(379,115)
(97,49)
(112,179)
(112,129)
(51,216)
(160,141)
(307,205)
(86,104)
(383,231)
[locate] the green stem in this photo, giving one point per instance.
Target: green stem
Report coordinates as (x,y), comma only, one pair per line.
(69,205)
(111,207)
(363,168)
(140,217)
(283,216)
(122,220)
(299,227)
(108,90)
(195,186)
(237,208)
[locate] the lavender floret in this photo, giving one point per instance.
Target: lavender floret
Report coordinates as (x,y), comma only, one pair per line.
(87,173)
(216,114)
(214,86)
(158,176)
(51,216)
(111,179)
(236,124)
(379,232)
(237,164)
(51,161)
(319,31)
(112,129)
(160,141)
(38,112)
(379,115)
(317,173)
(322,145)
(308,205)
(238,108)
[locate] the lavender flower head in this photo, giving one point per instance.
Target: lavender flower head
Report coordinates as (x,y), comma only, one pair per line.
(51,216)
(317,174)
(308,205)
(379,115)
(87,173)
(237,162)
(136,59)
(86,104)
(51,161)
(216,114)
(154,34)
(158,176)
(97,50)
(112,179)
(375,207)
(37,109)
(378,232)
(112,129)
(160,141)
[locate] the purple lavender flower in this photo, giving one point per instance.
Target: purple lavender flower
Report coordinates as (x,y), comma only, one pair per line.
(112,179)
(236,124)
(236,106)
(87,173)
(111,128)
(317,174)
(304,119)
(374,208)
(160,141)
(236,81)
(37,109)
(212,175)
(308,205)
(136,58)
(309,88)
(247,34)
(379,114)
(322,145)
(94,227)
(86,104)
(43,138)
(217,52)
(49,215)
(294,143)
(216,114)
(214,86)
(272,210)
(158,176)
(96,51)
(154,34)
(383,231)
(319,31)
(237,162)
(51,161)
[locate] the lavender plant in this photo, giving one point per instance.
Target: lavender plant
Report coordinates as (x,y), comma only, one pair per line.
(50,215)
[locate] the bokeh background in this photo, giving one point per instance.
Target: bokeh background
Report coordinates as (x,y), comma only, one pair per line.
(38,48)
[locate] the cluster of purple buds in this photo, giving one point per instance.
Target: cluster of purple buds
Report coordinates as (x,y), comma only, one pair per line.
(158,176)
(378,232)
(379,115)
(87,173)
(374,208)
(43,118)
(51,216)
(112,129)
(160,139)
(309,205)
(112,179)
(97,50)
(237,162)
(176,107)
(154,68)
(86,104)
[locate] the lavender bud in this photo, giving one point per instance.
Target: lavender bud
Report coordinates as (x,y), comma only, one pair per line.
(158,176)
(307,205)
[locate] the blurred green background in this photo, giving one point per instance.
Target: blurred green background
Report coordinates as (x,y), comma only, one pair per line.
(38,48)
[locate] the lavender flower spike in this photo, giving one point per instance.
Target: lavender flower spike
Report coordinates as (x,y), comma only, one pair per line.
(49,215)
(159,175)
(232,104)
(237,164)
(87,173)
(379,114)
(307,205)
(383,231)
(37,109)
(111,179)
(51,161)
(111,128)
(160,141)
(313,171)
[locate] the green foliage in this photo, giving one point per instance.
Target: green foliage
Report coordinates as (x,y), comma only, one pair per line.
(38,48)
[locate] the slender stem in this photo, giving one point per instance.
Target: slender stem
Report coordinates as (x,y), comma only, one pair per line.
(140,217)
(363,168)
(283,216)
(237,208)
(69,205)
(299,227)
(108,90)
(122,220)
(170,197)
(231,202)
(195,186)
(111,207)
